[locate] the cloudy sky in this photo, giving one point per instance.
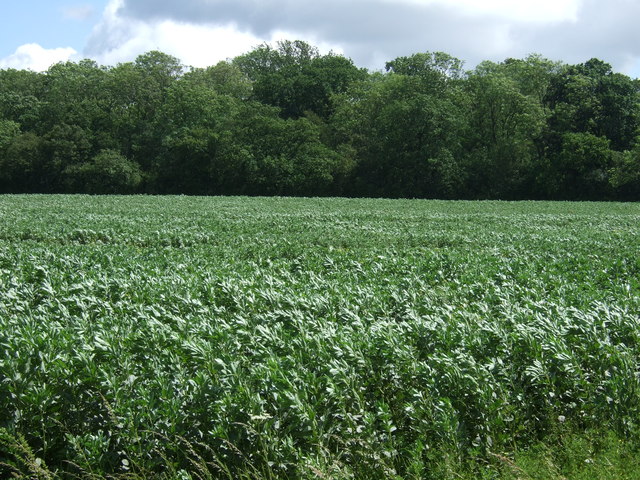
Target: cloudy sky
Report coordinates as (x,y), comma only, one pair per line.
(37,33)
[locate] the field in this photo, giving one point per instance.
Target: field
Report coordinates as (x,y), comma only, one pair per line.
(186,337)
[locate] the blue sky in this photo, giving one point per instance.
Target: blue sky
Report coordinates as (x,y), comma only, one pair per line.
(50,23)
(35,34)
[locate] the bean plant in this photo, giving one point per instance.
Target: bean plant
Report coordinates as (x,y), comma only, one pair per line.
(263,338)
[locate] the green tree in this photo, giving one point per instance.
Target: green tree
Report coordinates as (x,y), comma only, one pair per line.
(624,174)
(285,119)
(196,133)
(74,94)
(136,92)
(225,78)
(123,90)
(404,135)
(285,156)
(532,75)
(8,131)
(107,173)
(20,97)
(21,166)
(582,166)
(436,67)
(590,98)
(296,78)
(504,126)
(265,59)
(594,113)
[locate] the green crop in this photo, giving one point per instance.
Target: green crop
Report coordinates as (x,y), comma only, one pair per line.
(184,337)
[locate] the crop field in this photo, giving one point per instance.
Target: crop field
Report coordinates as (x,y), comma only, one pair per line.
(265,338)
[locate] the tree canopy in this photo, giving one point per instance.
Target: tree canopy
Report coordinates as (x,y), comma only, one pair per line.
(285,119)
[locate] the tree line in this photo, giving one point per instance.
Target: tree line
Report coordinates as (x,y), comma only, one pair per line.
(286,120)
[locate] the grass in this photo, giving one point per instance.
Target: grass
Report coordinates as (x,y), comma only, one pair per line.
(185,337)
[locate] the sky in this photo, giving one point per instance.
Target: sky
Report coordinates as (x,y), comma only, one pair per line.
(37,33)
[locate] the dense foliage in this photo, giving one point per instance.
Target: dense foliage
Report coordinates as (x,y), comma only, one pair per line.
(191,337)
(287,120)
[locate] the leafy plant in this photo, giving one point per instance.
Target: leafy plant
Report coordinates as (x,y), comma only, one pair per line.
(234,337)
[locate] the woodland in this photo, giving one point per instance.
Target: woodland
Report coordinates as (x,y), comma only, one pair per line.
(286,120)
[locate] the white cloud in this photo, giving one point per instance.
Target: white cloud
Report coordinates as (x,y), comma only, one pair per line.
(119,39)
(371,32)
(32,56)
(78,12)
(632,67)
(543,11)
(194,45)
